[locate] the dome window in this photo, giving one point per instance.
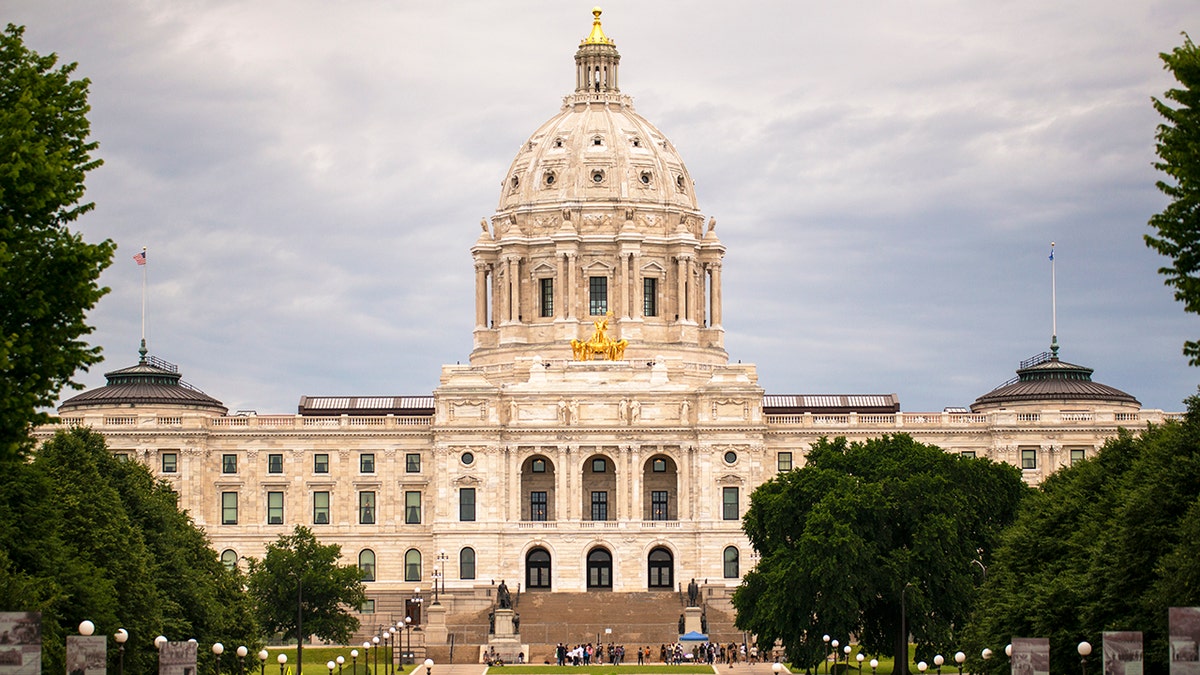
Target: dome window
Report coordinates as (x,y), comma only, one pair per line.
(679,182)
(597,176)
(645,178)
(597,141)
(515,182)
(558,142)
(550,178)
(637,142)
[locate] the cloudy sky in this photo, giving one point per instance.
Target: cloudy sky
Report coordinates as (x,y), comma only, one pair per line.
(309,176)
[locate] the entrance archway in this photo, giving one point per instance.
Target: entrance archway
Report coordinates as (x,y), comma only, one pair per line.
(537,569)
(599,570)
(661,568)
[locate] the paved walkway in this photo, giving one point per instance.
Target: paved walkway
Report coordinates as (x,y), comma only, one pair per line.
(480,669)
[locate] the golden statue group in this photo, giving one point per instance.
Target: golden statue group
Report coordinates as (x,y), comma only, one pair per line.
(599,344)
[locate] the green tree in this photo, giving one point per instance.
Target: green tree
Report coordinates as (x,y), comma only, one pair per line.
(1109,543)
(85,535)
(1178,148)
(48,274)
(865,531)
(300,590)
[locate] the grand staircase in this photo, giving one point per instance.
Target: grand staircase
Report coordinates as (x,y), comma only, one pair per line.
(646,619)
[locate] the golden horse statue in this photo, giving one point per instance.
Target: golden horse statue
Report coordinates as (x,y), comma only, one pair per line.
(599,344)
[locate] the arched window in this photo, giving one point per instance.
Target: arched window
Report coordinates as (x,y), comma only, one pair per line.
(412,565)
(661,569)
(466,563)
(599,569)
(229,559)
(732,566)
(366,564)
(537,569)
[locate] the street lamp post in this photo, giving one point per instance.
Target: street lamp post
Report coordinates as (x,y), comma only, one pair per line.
(1084,649)
(218,650)
(922,666)
(874,665)
(442,557)
(846,649)
(938,661)
(262,662)
(241,654)
(776,668)
(408,627)
(986,653)
(367,655)
(282,659)
(375,652)
(836,654)
(826,658)
(428,666)
(353,662)
(340,660)
(330,665)
(121,636)
(860,658)
(959,657)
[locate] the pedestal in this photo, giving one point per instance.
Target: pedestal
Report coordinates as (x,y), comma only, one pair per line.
(435,626)
(691,620)
(505,639)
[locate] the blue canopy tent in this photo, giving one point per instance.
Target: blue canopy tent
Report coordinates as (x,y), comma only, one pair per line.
(693,636)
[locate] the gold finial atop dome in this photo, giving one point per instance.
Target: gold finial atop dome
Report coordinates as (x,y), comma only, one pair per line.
(597,36)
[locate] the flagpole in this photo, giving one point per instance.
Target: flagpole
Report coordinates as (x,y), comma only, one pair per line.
(142,261)
(1053,307)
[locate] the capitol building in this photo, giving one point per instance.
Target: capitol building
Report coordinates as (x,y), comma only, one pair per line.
(598,439)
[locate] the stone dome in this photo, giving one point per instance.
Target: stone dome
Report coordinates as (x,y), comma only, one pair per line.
(597,148)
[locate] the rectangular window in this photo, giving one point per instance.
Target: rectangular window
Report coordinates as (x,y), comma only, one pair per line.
(366,508)
(658,505)
(546,286)
(366,462)
(649,296)
(1077,455)
(729,503)
(368,607)
(320,508)
(229,508)
(274,463)
(412,508)
(537,505)
(600,505)
(783,461)
(170,462)
(466,504)
(597,296)
(321,463)
(412,462)
(228,463)
(968,454)
(274,508)
(1028,458)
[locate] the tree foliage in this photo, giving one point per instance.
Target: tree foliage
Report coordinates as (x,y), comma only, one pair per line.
(1178,148)
(861,529)
(48,274)
(300,578)
(84,535)
(1108,544)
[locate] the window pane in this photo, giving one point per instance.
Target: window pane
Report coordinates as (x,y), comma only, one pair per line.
(228,463)
(599,466)
(274,463)
(1077,455)
(537,505)
(366,564)
(658,505)
(366,508)
(368,607)
(229,559)
(466,563)
(321,463)
(785,461)
(466,504)
(321,508)
(1028,458)
(732,570)
(412,462)
(274,508)
(229,508)
(597,296)
(600,505)
(366,462)
(547,305)
(649,296)
(659,466)
(170,462)
(729,498)
(412,565)
(969,454)
(412,508)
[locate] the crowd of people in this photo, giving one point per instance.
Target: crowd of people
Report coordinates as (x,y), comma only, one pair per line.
(692,652)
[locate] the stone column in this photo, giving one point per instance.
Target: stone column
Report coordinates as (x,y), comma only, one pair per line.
(623,294)
(681,304)
(481,300)
(639,303)
(716,294)
(572,285)
(560,287)
(514,268)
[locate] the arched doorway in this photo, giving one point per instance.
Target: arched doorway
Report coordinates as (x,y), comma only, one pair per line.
(661,567)
(537,569)
(599,570)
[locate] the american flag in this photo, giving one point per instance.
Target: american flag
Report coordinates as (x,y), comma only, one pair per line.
(140,258)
